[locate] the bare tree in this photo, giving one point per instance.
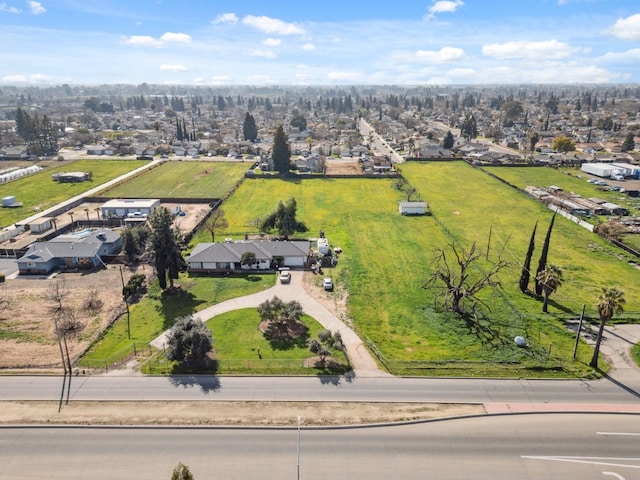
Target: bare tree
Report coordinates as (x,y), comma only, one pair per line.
(215,222)
(457,278)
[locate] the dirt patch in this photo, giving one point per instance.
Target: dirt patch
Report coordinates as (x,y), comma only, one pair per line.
(335,301)
(226,413)
(29,339)
(343,166)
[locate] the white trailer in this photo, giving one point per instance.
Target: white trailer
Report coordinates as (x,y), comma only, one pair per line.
(604,170)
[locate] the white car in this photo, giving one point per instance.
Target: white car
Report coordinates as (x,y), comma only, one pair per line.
(285,276)
(327,283)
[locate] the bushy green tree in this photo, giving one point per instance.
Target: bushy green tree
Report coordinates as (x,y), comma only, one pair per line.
(284,219)
(563,144)
(469,127)
(190,340)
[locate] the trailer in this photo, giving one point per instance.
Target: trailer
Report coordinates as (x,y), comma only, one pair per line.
(603,170)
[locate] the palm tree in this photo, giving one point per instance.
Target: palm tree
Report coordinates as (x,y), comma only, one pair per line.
(611,301)
(97,209)
(550,279)
(86,210)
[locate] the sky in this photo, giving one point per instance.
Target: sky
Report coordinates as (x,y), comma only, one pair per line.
(322,42)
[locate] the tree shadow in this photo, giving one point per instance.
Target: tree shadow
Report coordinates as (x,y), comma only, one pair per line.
(176,302)
(206,383)
(285,335)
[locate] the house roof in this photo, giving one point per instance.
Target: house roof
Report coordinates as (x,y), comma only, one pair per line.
(232,251)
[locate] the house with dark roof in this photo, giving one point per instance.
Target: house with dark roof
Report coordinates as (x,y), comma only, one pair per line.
(83,249)
(269,255)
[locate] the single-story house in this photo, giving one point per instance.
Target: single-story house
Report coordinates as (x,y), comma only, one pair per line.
(122,208)
(83,249)
(227,256)
(413,208)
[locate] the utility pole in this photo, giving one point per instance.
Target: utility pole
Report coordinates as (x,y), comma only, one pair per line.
(298,449)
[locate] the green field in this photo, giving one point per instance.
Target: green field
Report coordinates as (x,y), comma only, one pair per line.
(387,257)
(40,191)
(183,180)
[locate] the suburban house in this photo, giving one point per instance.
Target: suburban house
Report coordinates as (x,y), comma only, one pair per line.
(227,256)
(83,249)
(123,208)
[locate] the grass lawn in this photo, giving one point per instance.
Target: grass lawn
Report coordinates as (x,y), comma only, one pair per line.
(189,179)
(386,258)
(39,191)
(157,312)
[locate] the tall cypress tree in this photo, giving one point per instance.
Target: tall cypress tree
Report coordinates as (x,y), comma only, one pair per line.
(526,268)
(281,152)
(543,256)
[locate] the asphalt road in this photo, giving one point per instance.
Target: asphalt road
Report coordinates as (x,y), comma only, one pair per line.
(364,389)
(524,447)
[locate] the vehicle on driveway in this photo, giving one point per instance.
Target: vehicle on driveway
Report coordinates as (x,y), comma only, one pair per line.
(327,283)
(285,276)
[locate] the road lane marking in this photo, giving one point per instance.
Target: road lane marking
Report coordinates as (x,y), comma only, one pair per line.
(630,434)
(607,461)
(614,474)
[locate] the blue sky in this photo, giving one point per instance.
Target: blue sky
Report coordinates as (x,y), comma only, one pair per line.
(328,42)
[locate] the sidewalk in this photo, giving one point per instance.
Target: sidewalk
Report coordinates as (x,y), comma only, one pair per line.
(364,365)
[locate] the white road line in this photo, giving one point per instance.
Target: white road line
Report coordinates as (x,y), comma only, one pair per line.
(614,474)
(608,461)
(630,434)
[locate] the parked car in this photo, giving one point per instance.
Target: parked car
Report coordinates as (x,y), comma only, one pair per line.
(327,283)
(285,276)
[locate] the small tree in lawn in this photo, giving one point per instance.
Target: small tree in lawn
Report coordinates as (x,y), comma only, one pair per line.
(324,343)
(189,340)
(215,222)
(611,301)
(550,279)
(319,349)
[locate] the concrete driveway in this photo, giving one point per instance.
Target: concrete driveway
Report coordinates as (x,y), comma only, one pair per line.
(361,360)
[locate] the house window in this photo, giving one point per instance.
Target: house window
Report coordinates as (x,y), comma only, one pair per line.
(31,264)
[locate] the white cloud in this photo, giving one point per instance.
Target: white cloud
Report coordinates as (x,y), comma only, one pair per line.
(228,18)
(263,53)
(272,42)
(461,72)
(260,79)
(173,68)
(272,25)
(171,37)
(442,6)
(308,46)
(33,78)
(444,55)
(36,8)
(344,76)
(14,78)
(627,28)
(142,41)
(149,41)
(630,56)
(546,50)
(9,9)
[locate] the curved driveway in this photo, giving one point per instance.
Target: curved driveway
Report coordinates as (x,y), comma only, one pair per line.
(361,360)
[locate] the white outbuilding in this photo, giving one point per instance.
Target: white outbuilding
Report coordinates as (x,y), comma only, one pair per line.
(413,208)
